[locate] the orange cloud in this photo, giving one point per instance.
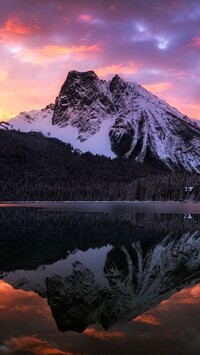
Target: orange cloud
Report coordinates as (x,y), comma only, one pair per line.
(34,345)
(187,296)
(128,69)
(103,335)
(13,25)
(192,110)
(18,304)
(4,287)
(147,318)
(56,51)
(51,53)
(195,291)
(159,87)
(14,29)
(19,301)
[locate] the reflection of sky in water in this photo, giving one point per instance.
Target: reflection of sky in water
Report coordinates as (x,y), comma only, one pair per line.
(94,259)
(172,327)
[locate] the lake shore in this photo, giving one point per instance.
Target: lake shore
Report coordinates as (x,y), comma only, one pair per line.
(182,207)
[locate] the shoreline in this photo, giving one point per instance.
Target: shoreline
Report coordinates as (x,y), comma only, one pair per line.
(96,201)
(170,207)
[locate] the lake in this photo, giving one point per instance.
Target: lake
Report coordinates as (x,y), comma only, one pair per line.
(100,278)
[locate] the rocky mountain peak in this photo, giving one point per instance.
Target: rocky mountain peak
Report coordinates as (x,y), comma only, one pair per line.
(74,74)
(88,97)
(120,118)
(117,83)
(125,281)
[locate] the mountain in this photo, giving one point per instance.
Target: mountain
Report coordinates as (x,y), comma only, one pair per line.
(5,126)
(133,280)
(114,284)
(117,118)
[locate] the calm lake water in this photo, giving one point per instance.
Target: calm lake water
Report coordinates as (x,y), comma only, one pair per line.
(100,278)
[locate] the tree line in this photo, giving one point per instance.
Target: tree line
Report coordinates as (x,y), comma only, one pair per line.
(30,237)
(33,167)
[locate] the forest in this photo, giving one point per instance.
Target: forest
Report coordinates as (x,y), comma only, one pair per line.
(37,168)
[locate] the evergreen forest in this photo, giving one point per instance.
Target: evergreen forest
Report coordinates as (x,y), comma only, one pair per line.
(37,168)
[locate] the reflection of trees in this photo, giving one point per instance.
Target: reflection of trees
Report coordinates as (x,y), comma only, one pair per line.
(152,256)
(30,237)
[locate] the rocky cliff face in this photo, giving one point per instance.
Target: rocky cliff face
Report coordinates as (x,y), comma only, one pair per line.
(117,118)
(124,281)
(134,282)
(140,125)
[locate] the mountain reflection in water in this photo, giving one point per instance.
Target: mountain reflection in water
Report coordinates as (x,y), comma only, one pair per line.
(99,268)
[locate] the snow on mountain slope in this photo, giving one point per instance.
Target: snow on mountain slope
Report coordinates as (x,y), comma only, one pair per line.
(113,284)
(41,120)
(197,122)
(5,125)
(136,282)
(117,118)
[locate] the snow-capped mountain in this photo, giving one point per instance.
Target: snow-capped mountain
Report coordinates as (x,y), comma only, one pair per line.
(117,118)
(5,125)
(114,284)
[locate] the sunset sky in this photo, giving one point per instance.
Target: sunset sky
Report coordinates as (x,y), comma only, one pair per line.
(153,42)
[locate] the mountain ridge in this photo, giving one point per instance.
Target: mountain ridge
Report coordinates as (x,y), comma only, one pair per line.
(117,118)
(126,281)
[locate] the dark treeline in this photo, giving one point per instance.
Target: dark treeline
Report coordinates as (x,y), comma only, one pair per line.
(33,167)
(30,237)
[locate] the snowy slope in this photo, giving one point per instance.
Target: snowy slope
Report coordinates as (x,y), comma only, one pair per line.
(5,125)
(41,120)
(197,122)
(113,284)
(117,118)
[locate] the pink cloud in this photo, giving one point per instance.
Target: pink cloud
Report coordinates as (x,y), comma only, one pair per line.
(128,69)
(86,35)
(85,18)
(158,87)
(14,26)
(195,41)
(56,50)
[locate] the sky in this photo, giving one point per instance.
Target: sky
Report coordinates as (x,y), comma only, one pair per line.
(155,43)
